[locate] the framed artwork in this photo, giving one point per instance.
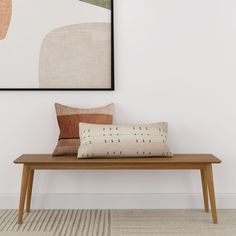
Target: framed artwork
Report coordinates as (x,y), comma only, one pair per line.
(56,45)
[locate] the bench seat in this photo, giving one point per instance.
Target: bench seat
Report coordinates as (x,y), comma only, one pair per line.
(32,162)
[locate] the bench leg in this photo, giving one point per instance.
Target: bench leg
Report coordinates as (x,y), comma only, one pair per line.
(24,181)
(204,189)
(29,190)
(210,184)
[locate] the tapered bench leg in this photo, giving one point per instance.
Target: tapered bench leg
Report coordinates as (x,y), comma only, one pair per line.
(204,189)
(24,182)
(29,190)
(210,184)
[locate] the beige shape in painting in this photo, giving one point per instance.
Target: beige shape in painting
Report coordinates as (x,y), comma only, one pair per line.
(5,17)
(76,56)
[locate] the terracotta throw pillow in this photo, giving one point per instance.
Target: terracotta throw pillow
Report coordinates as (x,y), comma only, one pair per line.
(149,140)
(69,119)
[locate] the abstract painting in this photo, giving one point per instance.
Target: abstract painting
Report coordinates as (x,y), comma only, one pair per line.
(57,45)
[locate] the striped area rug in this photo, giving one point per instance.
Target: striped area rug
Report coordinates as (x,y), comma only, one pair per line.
(172,223)
(118,223)
(57,222)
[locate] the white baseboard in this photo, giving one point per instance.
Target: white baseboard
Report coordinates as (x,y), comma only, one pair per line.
(118,201)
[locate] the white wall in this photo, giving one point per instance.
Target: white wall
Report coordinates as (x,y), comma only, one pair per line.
(175,61)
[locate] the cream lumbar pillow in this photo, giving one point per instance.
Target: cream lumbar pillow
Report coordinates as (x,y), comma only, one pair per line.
(148,140)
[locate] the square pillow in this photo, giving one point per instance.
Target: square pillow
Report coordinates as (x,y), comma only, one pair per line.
(148,140)
(69,119)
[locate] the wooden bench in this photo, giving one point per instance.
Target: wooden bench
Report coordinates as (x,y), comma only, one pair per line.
(202,162)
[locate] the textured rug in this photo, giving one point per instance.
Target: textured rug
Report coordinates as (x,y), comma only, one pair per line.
(117,223)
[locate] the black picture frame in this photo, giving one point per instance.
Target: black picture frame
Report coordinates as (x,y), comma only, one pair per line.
(112,88)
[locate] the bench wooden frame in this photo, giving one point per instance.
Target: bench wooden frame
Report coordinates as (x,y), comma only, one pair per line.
(202,162)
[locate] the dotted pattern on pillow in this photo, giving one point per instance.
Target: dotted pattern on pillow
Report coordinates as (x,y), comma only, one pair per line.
(123,140)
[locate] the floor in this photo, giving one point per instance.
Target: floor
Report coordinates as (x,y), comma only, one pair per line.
(118,223)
